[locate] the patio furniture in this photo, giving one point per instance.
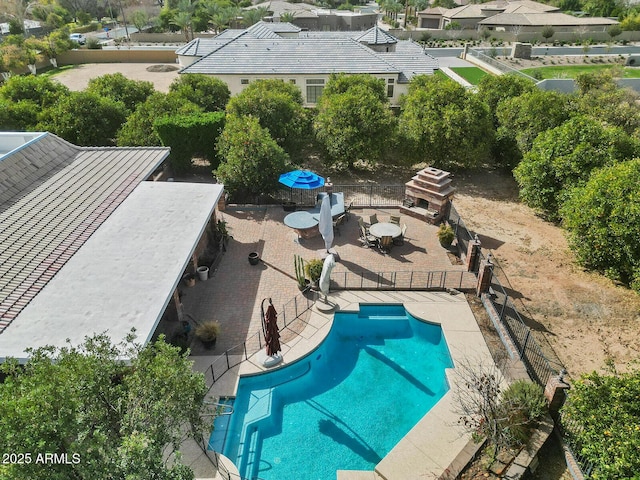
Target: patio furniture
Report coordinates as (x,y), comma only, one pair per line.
(304,223)
(385,244)
(339,221)
(394,219)
(385,229)
(373,219)
(347,211)
(368,241)
(400,240)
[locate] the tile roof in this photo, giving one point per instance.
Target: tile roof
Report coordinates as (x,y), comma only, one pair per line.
(291,56)
(376,36)
(68,193)
(411,60)
(542,19)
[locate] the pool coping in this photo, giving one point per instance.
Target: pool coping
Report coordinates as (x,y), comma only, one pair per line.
(433,447)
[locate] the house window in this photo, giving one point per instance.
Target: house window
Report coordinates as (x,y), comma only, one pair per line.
(244,81)
(314,89)
(292,80)
(391,80)
(389,91)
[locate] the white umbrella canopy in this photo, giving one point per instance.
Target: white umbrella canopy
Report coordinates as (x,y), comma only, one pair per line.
(325,223)
(325,276)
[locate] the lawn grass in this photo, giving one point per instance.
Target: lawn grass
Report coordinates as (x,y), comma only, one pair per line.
(473,75)
(54,71)
(571,71)
(441,74)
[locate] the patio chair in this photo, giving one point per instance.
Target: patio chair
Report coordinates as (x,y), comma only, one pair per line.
(400,240)
(385,244)
(337,222)
(362,224)
(347,211)
(368,241)
(373,219)
(394,219)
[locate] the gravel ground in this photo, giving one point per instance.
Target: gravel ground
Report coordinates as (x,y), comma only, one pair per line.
(78,78)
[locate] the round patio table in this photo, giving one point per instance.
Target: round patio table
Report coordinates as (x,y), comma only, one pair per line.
(385,229)
(305,224)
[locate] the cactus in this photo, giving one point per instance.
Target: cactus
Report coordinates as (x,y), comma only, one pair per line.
(298,264)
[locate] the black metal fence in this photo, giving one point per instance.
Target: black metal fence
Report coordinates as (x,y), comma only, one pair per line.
(361,196)
(538,366)
(569,429)
(410,280)
(295,309)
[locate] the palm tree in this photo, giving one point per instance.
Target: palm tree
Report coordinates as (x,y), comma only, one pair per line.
(254,15)
(183,21)
(287,17)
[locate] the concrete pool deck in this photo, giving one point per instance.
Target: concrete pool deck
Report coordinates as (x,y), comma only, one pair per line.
(432,446)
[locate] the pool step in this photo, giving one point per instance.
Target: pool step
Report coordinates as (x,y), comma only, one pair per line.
(259,413)
(252,467)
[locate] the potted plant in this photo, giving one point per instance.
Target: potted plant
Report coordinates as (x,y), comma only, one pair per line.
(208,333)
(313,269)
(298,264)
(446,235)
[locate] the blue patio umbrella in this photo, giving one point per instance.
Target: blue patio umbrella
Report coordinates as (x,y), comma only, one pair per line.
(303,179)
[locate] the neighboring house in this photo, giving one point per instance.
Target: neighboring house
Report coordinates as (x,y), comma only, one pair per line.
(86,244)
(307,60)
(502,15)
(310,17)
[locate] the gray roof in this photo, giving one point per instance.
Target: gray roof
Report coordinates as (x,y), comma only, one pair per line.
(542,19)
(49,213)
(376,36)
(411,60)
(199,47)
(291,56)
(124,274)
(278,7)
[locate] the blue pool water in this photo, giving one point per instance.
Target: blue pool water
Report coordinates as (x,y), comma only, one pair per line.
(346,405)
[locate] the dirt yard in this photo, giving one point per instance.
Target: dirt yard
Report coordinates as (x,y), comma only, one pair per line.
(582,320)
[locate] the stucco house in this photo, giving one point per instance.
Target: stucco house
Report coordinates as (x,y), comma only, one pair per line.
(310,17)
(509,15)
(89,243)
(306,59)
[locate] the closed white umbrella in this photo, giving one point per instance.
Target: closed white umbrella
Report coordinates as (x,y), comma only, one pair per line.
(325,223)
(325,276)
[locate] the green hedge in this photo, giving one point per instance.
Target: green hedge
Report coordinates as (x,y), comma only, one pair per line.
(191,135)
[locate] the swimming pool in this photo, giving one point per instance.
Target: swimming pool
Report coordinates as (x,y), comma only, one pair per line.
(344,406)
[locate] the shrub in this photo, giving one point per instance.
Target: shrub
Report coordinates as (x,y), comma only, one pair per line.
(313,269)
(446,234)
(189,136)
(522,403)
(94,44)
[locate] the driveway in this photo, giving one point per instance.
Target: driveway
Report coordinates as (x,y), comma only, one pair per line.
(78,77)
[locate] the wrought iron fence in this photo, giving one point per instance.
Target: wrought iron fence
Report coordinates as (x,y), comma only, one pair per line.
(371,195)
(296,309)
(538,366)
(410,280)
(569,430)
(503,67)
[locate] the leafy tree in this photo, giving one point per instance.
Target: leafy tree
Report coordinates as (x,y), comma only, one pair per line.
(277,106)
(493,89)
(18,116)
(287,17)
(138,129)
(140,19)
(354,121)
(190,135)
(444,124)
(631,23)
(614,31)
(41,91)
(113,420)
(525,116)
(603,220)
(607,408)
(600,97)
(209,93)
(603,8)
(547,32)
(252,161)
(564,157)
(85,119)
(119,88)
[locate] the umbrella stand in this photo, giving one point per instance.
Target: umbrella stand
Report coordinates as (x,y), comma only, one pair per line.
(271,335)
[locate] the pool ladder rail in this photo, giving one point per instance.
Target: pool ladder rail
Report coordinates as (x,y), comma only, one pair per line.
(220,409)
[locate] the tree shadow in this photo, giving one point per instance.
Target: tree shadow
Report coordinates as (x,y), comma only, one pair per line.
(365,273)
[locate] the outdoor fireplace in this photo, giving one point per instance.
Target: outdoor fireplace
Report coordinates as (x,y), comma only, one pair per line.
(428,195)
